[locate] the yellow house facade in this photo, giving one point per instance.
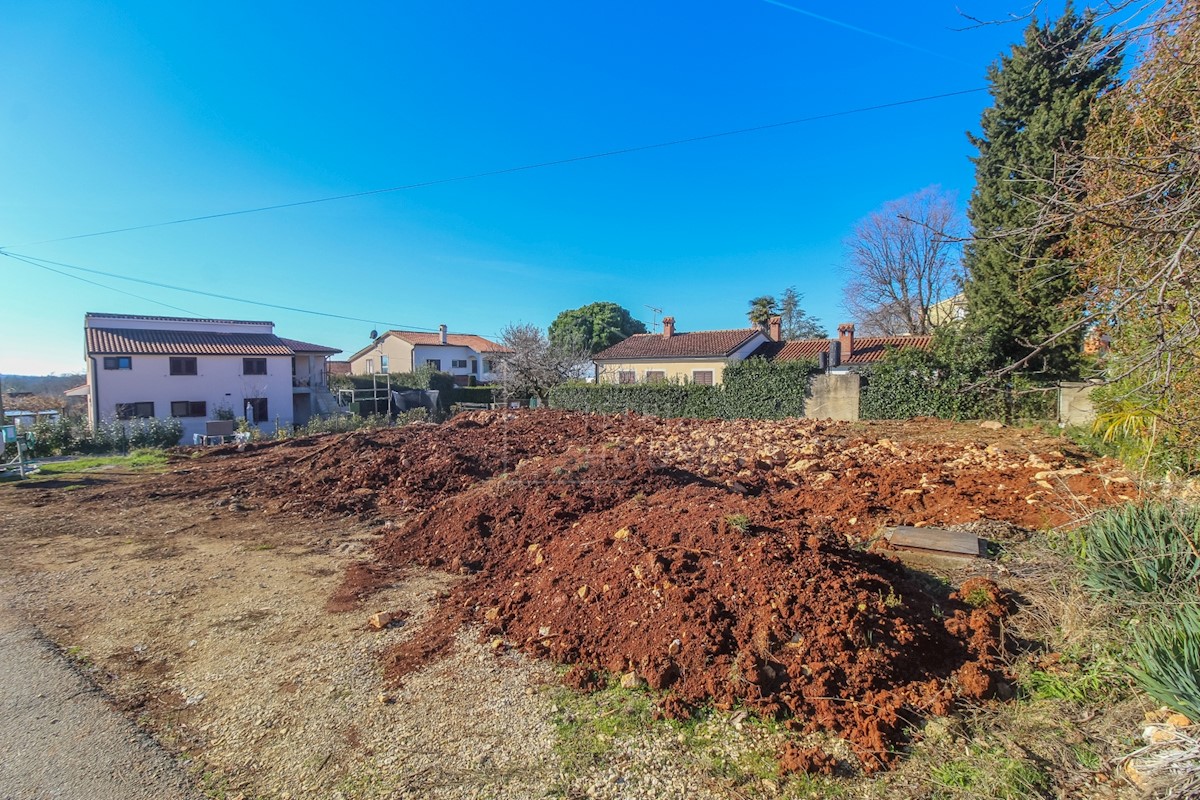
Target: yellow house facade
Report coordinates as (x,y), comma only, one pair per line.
(671,356)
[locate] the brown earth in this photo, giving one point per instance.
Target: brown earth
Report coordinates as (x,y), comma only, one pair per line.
(718,561)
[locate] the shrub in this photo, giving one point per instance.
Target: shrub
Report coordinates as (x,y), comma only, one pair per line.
(422,378)
(924,383)
(473,394)
(1146,557)
(1167,650)
(752,389)
(1146,548)
(67,436)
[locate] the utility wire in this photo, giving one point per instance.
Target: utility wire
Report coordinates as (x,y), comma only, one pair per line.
(523,168)
(863,31)
(43,262)
(31,261)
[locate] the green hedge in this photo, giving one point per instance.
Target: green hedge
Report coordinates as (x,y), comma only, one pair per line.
(752,389)
(472,394)
(399,381)
(917,383)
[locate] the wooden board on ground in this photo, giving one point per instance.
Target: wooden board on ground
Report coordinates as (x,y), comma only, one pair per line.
(935,541)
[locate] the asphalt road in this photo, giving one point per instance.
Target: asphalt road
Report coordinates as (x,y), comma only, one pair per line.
(60,739)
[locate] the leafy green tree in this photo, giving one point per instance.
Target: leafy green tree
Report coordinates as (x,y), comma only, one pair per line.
(594,327)
(761,310)
(798,323)
(1021,287)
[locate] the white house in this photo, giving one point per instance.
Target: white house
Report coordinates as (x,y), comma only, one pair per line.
(201,369)
(469,358)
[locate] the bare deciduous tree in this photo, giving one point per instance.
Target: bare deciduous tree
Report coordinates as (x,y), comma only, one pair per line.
(535,365)
(902,260)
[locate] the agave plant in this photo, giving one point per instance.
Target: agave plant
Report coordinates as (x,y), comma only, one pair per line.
(1167,651)
(1142,548)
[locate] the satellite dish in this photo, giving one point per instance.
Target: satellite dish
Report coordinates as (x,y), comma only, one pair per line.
(374,335)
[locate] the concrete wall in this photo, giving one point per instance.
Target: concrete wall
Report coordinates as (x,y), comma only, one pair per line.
(833,396)
(1075,403)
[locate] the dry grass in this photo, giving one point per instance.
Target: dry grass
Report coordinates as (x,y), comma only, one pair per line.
(1169,768)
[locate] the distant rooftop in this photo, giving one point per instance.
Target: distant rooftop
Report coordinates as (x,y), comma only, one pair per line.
(102,315)
(698,344)
(867,350)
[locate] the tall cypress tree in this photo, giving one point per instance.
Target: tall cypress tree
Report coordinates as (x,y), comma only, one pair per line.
(1020,283)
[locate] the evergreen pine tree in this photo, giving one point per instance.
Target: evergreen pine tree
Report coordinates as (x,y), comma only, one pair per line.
(1021,288)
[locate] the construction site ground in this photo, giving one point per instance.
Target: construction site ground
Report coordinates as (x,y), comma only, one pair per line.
(573,606)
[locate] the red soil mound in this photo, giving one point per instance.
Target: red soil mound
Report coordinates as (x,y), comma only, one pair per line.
(708,594)
(711,559)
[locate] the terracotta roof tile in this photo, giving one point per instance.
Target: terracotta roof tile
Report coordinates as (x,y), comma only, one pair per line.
(867,349)
(127,341)
(699,344)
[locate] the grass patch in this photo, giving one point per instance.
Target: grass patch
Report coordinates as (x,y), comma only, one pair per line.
(1167,650)
(587,725)
(988,773)
(76,654)
(739,522)
(594,730)
(138,459)
(978,597)
(1141,548)
(1095,681)
(747,767)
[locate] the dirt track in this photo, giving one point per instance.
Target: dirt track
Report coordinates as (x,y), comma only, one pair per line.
(711,559)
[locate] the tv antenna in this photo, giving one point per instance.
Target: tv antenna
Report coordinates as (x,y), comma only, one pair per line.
(654,323)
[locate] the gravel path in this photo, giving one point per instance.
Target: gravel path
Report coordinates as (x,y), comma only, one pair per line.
(60,739)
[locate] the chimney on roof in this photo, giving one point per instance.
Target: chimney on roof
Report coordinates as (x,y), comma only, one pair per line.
(442,333)
(846,338)
(775,332)
(668,327)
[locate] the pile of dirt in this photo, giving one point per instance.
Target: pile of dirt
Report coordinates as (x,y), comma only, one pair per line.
(711,560)
(706,593)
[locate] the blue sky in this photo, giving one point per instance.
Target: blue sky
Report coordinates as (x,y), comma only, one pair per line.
(119,115)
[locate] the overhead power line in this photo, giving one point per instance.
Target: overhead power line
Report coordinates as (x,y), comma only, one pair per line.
(44,262)
(523,168)
(30,261)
